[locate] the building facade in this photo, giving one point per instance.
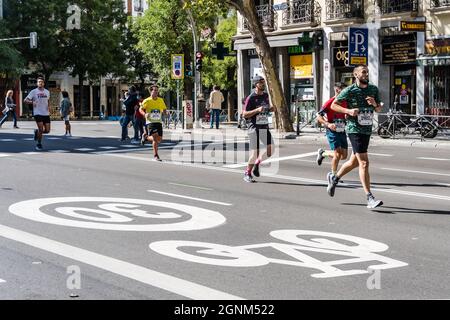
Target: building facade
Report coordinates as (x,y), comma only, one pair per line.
(409,66)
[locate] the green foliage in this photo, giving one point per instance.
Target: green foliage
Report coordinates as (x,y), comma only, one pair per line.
(11,62)
(222,72)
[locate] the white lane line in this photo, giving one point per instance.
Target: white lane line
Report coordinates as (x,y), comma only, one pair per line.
(190,198)
(31,153)
(53,138)
(289,178)
(434,159)
(108,148)
(421,172)
(190,186)
(84,149)
(157,279)
(128,146)
(59,151)
(28,139)
(7,140)
(295,156)
(381,154)
(1,281)
(4,155)
(182,144)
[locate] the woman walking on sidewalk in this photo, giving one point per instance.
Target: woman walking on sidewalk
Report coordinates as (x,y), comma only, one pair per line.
(10,109)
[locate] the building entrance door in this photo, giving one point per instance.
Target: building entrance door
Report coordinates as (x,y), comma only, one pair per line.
(404,88)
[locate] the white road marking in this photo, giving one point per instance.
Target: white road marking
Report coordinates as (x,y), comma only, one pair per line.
(117,214)
(190,198)
(31,153)
(434,159)
(128,146)
(2,281)
(4,155)
(421,172)
(59,151)
(108,148)
(277,176)
(28,139)
(84,149)
(381,154)
(157,279)
(53,138)
(189,186)
(7,140)
(295,156)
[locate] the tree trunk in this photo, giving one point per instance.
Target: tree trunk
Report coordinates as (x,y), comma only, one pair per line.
(248,11)
(232,93)
(78,113)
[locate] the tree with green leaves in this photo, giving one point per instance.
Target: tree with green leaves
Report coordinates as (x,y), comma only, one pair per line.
(11,61)
(96,48)
(223,72)
(248,10)
(25,16)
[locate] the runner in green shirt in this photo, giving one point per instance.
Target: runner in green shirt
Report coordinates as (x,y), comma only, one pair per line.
(362,100)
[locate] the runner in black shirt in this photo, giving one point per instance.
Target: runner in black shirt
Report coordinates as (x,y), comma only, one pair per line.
(256,112)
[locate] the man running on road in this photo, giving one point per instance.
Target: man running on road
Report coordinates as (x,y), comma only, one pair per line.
(152,109)
(39,97)
(335,124)
(256,112)
(362,99)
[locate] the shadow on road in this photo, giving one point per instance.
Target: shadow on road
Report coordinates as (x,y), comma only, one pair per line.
(395,210)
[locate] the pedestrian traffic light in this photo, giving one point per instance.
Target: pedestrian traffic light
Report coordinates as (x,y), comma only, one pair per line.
(33,40)
(188,70)
(318,40)
(198,61)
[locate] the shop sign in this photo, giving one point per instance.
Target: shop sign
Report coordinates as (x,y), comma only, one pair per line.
(340,57)
(301,66)
(418,26)
(400,52)
(437,47)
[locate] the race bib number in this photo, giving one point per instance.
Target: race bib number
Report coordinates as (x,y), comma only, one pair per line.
(365,117)
(340,125)
(262,118)
(154,116)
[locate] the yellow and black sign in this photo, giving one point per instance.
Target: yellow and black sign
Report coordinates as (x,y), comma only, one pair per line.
(419,26)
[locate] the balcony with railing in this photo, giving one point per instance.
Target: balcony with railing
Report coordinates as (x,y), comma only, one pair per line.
(298,12)
(440,4)
(267,16)
(398,6)
(338,10)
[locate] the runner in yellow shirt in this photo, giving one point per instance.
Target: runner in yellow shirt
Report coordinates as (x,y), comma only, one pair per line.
(152,109)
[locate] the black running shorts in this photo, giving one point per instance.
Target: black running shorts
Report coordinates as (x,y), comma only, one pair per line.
(44,119)
(259,135)
(360,142)
(155,128)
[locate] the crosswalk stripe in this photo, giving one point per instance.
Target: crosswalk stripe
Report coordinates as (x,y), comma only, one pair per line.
(84,149)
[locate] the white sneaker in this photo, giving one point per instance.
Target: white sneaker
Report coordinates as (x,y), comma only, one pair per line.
(372,203)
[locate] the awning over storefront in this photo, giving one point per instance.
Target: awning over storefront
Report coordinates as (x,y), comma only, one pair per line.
(434,60)
(274,41)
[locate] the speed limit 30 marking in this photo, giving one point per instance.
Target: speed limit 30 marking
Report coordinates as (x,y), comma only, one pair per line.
(117,214)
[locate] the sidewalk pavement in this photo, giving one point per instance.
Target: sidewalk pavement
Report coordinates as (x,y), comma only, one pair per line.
(313,135)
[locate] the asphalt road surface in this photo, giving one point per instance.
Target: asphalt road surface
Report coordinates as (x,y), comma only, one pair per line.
(91,217)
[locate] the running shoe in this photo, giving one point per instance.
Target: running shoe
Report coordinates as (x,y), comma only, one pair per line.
(143,139)
(331,184)
(320,156)
(248,178)
(156,158)
(35,134)
(372,203)
(39,147)
(256,169)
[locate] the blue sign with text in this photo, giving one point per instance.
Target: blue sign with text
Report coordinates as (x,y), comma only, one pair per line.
(358,46)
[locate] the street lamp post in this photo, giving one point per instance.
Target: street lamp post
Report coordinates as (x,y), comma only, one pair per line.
(196,74)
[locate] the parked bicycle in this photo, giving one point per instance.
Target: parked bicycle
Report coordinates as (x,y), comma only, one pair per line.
(398,122)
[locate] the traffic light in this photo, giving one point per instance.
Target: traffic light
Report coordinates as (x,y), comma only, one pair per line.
(198,61)
(318,40)
(188,70)
(33,40)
